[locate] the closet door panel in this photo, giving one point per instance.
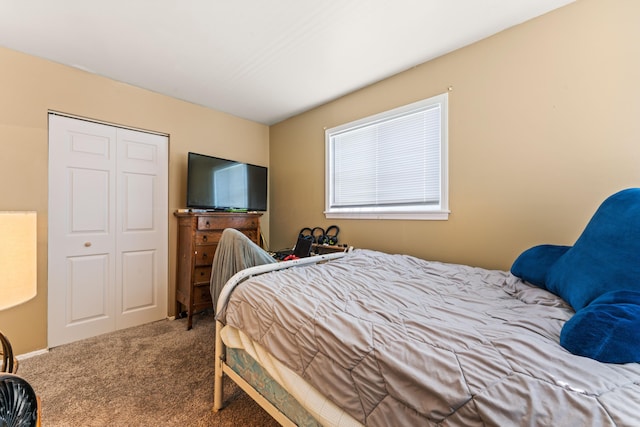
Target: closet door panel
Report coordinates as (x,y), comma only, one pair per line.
(87,292)
(142,233)
(82,213)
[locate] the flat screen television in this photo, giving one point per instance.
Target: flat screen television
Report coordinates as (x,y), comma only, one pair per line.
(226,185)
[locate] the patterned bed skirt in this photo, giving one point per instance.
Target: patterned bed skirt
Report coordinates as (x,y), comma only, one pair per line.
(245,366)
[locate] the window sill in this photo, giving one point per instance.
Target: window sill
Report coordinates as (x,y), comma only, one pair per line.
(429,216)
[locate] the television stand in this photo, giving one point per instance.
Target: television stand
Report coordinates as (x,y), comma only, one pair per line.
(198,237)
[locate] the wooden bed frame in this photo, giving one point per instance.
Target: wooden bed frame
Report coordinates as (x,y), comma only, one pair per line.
(221,368)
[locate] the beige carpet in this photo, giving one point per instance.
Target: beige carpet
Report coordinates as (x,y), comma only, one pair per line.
(158,374)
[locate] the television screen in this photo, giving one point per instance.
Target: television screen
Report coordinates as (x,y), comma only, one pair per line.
(221,184)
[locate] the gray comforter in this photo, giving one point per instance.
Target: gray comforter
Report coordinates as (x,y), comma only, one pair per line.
(399,341)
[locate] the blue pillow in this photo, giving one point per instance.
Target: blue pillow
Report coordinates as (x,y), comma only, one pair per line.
(607,330)
(606,257)
(532,265)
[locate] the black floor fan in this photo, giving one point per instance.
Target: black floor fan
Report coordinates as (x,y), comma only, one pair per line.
(18,401)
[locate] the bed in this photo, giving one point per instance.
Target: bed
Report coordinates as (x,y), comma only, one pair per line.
(369,338)
(395,340)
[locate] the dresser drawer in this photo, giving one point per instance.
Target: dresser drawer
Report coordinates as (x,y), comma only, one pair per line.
(231,221)
(208,237)
(202,274)
(204,254)
(213,237)
(252,234)
(202,294)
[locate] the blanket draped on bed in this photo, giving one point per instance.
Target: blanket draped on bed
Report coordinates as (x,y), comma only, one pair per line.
(395,340)
(235,252)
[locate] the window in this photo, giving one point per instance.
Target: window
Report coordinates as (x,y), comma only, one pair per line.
(390,166)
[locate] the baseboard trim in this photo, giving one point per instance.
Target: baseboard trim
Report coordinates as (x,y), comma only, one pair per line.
(33,353)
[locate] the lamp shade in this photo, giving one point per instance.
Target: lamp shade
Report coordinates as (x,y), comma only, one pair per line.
(18,260)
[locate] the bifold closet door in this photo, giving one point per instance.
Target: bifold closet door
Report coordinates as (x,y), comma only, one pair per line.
(108,228)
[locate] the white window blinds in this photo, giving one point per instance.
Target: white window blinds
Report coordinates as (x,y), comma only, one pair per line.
(391,162)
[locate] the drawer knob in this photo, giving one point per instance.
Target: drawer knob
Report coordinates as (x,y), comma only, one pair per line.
(87,244)
(206,224)
(204,238)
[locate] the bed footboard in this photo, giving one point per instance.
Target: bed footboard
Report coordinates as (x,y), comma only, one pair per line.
(221,368)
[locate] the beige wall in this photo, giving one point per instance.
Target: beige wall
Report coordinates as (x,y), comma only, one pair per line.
(544,122)
(29,87)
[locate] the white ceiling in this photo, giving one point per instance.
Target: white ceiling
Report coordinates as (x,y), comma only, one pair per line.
(257,59)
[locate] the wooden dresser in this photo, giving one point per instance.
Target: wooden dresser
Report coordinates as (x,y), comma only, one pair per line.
(198,237)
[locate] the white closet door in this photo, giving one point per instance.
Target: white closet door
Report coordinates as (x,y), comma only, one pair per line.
(141,233)
(103,197)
